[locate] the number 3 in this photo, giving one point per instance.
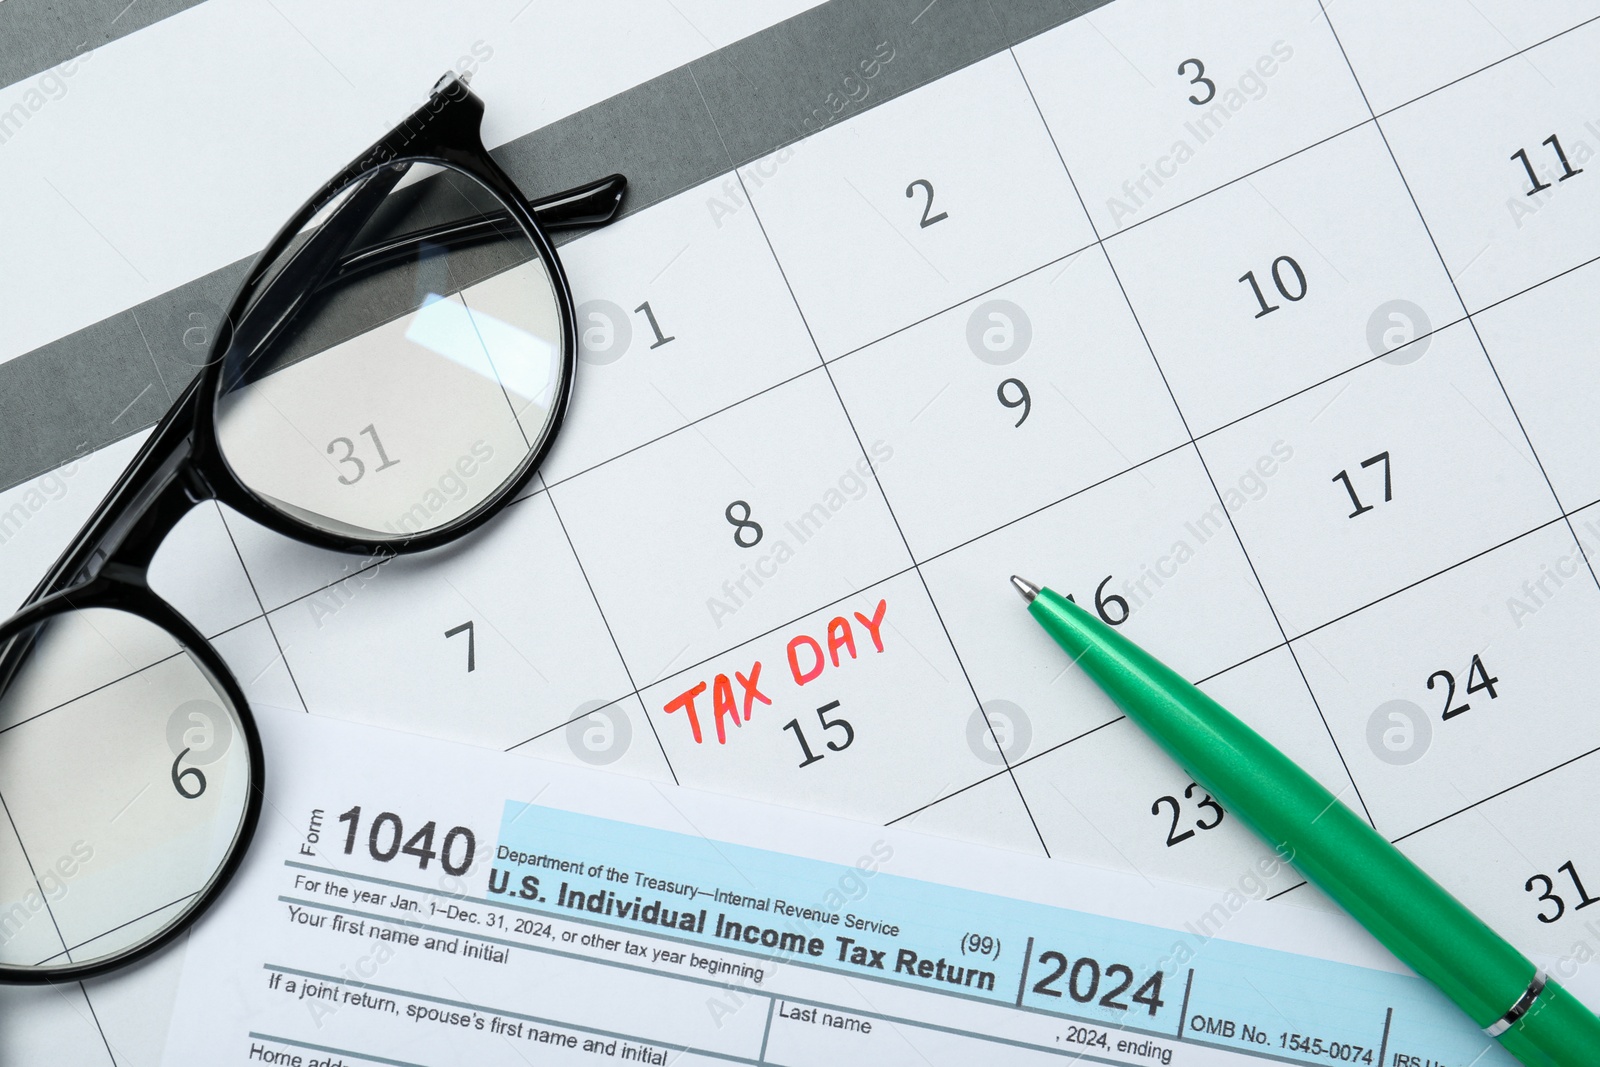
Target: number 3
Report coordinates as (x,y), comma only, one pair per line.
(1548,894)
(1198,79)
(348,457)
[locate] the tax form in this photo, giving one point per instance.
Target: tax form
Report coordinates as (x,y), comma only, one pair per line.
(414,903)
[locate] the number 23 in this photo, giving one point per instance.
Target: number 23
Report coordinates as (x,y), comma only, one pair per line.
(1173,836)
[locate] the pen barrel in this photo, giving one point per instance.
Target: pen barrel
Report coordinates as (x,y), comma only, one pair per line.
(1411,914)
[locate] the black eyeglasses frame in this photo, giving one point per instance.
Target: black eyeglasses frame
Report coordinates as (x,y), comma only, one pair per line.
(181,464)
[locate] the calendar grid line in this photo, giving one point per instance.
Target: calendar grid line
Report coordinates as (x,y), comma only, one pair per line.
(568,722)
(1269,650)
(137,918)
(254,592)
(1546,524)
(1285,892)
(33,872)
(235,627)
(691,424)
(102,687)
(883,495)
(1445,266)
(964,300)
(1229,183)
(1525,290)
(94,1017)
(1472,73)
(996,774)
(1097,483)
(1387,596)
(628,671)
(1500,793)
(1206,467)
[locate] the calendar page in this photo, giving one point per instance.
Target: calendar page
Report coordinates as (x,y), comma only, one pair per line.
(1266,330)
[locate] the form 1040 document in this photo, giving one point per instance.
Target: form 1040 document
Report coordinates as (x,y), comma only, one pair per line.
(415,903)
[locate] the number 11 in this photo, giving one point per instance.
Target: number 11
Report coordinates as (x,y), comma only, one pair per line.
(1567,169)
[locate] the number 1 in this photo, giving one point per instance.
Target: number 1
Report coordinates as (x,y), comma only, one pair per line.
(655,327)
(1572,872)
(384,462)
(1388,485)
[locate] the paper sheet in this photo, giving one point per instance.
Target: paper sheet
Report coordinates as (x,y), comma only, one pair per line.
(411,903)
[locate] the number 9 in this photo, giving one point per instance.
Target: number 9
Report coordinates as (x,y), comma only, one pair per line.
(1023,400)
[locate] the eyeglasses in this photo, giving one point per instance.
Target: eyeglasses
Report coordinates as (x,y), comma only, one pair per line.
(392,371)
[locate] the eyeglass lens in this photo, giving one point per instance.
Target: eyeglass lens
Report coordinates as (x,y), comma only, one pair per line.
(410,385)
(123,780)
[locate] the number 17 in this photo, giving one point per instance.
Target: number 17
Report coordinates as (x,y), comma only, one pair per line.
(1388,485)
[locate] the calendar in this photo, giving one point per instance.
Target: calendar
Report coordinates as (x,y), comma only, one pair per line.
(1266,330)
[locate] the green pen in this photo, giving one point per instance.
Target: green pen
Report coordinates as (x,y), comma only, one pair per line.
(1432,932)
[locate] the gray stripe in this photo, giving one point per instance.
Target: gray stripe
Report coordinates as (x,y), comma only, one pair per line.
(40,34)
(102,383)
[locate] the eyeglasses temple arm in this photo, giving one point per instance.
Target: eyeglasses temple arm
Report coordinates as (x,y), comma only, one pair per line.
(593,204)
(308,269)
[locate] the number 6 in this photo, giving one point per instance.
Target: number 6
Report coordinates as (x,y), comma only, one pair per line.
(178,777)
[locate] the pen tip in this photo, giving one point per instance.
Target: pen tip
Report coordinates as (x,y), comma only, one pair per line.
(1025,587)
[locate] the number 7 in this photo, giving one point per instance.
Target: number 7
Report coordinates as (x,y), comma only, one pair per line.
(1382,457)
(472,643)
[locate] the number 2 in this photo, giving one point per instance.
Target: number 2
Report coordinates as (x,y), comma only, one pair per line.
(928,206)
